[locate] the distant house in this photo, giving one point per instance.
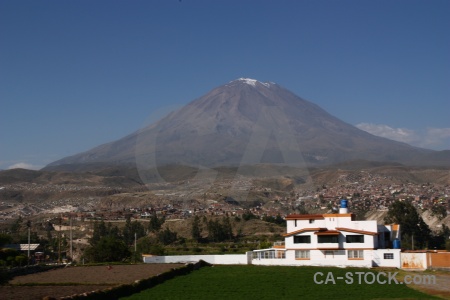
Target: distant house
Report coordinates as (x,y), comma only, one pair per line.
(23,247)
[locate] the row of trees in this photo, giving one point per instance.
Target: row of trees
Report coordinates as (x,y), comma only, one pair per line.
(220,230)
(109,243)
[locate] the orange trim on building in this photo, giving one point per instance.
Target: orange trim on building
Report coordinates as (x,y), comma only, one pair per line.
(337,248)
(327,232)
(356,231)
(304,217)
(359,248)
(338,215)
(278,246)
(304,230)
(301,249)
(319,217)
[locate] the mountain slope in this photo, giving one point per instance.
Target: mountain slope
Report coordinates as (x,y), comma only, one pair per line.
(248,122)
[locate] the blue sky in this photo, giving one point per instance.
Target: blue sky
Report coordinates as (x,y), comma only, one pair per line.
(76,74)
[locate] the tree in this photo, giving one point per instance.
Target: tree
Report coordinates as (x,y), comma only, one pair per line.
(99,232)
(132,230)
(276,220)
(196,230)
(155,223)
(106,244)
(150,245)
(411,223)
(167,236)
(439,240)
(248,215)
(440,211)
(220,231)
(127,232)
(107,249)
(227,228)
(138,229)
(5,239)
(16,228)
(21,260)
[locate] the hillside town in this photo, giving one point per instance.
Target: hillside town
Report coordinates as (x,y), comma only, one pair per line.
(366,191)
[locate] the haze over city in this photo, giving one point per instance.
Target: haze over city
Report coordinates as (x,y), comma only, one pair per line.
(74,75)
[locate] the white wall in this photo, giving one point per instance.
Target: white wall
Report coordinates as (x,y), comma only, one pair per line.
(413,261)
(318,263)
(317,258)
(379,261)
(220,259)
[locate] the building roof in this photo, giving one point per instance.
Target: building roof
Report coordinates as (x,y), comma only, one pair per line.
(319,216)
(303,230)
(22,247)
(304,217)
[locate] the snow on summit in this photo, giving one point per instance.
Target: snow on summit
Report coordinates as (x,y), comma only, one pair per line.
(249,81)
(252,82)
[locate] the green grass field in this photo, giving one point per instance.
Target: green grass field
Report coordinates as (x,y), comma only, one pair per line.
(260,282)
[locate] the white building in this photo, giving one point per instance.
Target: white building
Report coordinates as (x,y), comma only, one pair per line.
(333,240)
(318,240)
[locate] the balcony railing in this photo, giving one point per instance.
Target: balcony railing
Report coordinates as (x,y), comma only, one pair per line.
(279,244)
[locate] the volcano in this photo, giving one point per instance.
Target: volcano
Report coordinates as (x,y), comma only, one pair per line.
(248,122)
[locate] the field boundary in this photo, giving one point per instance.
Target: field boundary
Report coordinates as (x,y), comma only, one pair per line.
(8,274)
(125,290)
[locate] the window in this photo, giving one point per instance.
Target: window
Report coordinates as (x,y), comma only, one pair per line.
(295,223)
(354,238)
(388,255)
(302,254)
(269,254)
(327,239)
(302,239)
(329,252)
(356,254)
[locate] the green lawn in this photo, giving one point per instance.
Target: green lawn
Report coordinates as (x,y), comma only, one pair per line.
(261,282)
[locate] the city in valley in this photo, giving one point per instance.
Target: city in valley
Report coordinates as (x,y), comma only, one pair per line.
(43,197)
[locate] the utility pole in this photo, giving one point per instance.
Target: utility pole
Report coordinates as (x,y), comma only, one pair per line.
(135,246)
(29,235)
(71,244)
(59,240)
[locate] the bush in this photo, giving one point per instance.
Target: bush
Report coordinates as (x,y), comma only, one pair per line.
(107,249)
(21,260)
